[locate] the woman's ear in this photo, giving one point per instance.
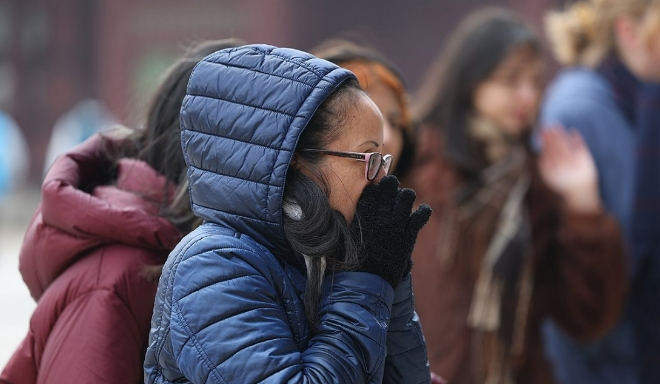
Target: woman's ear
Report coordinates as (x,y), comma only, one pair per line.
(294,161)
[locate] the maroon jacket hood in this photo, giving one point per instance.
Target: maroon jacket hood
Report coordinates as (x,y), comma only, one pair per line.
(69,221)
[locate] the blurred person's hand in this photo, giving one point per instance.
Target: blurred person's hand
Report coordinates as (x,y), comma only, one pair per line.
(567,167)
(437,379)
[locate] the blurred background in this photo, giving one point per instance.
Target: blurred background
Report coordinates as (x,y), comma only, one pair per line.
(71,67)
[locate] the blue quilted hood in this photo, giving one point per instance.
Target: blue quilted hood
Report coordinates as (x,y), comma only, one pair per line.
(243,113)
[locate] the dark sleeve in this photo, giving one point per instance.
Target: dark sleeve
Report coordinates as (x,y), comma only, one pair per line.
(588,275)
(406,361)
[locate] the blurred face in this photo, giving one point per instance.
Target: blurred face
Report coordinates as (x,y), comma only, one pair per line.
(510,96)
(638,44)
(345,177)
(388,104)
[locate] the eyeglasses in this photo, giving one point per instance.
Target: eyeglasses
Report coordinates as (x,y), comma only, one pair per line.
(374,160)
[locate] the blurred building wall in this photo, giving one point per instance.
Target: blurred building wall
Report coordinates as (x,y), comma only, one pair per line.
(55,53)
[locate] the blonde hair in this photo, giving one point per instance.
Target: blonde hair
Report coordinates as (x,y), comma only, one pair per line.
(584,33)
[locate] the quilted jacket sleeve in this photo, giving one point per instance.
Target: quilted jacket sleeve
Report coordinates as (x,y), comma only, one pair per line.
(406,361)
(228,324)
(110,351)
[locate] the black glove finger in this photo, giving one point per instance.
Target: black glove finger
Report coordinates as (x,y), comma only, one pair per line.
(366,209)
(368,200)
(389,187)
(404,203)
(389,182)
(418,219)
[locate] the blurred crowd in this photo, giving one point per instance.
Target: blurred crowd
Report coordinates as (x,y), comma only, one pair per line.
(231,235)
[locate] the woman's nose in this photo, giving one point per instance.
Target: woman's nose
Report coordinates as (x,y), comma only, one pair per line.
(528,94)
(379,176)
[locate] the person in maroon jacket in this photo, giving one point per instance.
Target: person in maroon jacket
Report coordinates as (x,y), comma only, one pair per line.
(111,211)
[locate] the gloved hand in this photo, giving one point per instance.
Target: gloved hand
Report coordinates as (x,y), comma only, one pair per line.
(385,229)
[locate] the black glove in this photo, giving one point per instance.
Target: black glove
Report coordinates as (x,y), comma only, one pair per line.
(385,229)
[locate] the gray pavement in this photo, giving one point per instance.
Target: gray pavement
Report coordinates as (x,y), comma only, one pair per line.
(16,305)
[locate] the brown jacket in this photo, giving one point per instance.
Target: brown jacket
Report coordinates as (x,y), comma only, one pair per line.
(579,271)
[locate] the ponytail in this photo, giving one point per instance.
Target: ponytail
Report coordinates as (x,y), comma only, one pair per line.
(583,34)
(578,35)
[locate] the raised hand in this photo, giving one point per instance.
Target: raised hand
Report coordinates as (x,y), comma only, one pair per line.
(386,229)
(567,168)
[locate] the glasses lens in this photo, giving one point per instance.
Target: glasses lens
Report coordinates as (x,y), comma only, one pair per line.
(374,165)
(387,159)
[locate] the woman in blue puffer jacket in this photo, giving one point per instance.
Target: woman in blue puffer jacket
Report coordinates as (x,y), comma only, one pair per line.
(301,270)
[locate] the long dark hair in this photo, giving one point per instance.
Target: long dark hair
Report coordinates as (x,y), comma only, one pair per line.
(158,141)
(475,49)
(322,233)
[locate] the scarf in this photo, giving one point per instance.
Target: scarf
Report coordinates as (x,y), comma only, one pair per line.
(494,209)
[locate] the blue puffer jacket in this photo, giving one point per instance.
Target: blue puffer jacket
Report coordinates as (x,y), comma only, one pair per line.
(227,309)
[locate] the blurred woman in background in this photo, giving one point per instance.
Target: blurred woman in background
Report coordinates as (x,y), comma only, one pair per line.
(14,157)
(610,93)
(385,86)
(516,236)
(112,209)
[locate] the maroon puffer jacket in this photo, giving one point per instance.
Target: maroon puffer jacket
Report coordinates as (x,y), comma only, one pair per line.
(83,259)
